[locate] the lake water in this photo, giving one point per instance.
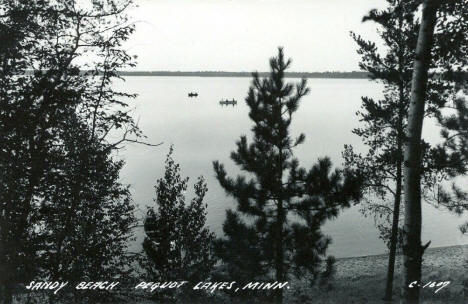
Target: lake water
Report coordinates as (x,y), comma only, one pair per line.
(202,131)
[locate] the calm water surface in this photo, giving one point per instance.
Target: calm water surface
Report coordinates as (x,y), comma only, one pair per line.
(202,131)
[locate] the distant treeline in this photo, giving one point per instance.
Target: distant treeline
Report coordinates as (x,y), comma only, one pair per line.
(454,75)
(354,74)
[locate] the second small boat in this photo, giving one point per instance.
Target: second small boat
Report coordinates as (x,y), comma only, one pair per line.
(228,102)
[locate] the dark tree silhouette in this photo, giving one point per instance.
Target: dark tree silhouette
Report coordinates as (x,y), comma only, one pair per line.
(287,204)
(60,180)
(87,215)
(17,248)
(177,242)
(384,122)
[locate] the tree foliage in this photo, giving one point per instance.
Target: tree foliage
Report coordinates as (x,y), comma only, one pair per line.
(384,120)
(286,204)
(455,134)
(60,178)
(177,242)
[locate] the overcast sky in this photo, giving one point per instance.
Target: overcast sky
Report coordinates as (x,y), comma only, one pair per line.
(240,35)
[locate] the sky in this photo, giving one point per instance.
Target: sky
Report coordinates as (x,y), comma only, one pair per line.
(240,35)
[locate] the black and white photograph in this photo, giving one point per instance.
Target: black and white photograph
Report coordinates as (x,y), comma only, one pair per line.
(233,151)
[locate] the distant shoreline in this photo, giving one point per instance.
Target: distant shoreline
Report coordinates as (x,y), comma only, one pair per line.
(338,75)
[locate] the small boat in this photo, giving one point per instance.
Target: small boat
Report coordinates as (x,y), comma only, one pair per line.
(228,102)
(191,94)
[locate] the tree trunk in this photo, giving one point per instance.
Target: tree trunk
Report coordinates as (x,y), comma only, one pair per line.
(279,252)
(412,248)
(280,217)
(399,173)
(394,236)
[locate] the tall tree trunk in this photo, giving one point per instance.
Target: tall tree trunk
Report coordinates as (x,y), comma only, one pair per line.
(399,173)
(412,248)
(394,236)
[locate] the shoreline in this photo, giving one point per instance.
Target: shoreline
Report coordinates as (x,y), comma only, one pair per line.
(328,75)
(429,249)
(362,279)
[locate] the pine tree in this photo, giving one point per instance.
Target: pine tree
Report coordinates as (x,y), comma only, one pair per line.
(385,120)
(286,204)
(455,135)
(177,243)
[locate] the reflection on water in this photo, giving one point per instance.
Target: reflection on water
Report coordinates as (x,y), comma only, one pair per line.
(202,131)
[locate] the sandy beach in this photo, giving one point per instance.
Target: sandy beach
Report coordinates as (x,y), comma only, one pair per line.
(362,279)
